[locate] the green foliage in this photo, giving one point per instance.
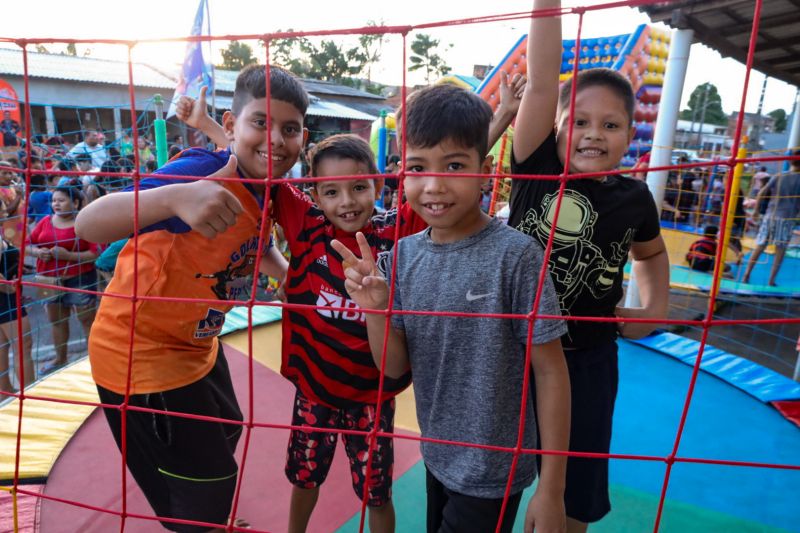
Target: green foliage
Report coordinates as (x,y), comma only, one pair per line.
(71,50)
(706,97)
(780,118)
(236,56)
(42,49)
(328,60)
(424,56)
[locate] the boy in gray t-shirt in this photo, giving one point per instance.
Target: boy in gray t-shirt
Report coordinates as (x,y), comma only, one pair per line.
(468,372)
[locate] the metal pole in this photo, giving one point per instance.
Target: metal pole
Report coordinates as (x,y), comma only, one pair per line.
(664,136)
(702,117)
(160,127)
(794,134)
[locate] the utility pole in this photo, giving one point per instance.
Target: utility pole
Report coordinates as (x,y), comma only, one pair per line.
(703,115)
(755,138)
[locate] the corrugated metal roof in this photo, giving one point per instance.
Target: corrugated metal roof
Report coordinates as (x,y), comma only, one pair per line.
(85,69)
(725,26)
(226,82)
(318,108)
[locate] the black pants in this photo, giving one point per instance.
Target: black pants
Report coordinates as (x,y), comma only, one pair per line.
(451,512)
(185,467)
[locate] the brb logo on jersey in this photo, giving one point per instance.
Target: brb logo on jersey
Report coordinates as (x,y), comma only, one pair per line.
(211,325)
(330,299)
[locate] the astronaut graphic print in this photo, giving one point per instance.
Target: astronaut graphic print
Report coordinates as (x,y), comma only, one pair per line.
(576,263)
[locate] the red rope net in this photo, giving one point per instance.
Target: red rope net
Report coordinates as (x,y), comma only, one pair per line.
(250,423)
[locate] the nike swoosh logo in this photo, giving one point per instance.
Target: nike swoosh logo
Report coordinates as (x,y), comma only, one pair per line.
(472,297)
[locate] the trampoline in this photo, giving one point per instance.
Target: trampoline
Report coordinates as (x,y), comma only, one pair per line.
(724,423)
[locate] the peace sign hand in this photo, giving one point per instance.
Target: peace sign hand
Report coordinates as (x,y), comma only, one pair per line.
(363,282)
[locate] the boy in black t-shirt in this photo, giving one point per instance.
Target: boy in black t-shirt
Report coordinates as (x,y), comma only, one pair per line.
(602,219)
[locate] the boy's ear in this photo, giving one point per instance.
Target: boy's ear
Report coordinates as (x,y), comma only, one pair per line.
(228,122)
(488,163)
(305,136)
(313,192)
(379,182)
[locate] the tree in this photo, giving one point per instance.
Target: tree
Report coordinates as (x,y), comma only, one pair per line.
(779,116)
(71,50)
(371,49)
(329,60)
(424,57)
(237,56)
(705,105)
(42,49)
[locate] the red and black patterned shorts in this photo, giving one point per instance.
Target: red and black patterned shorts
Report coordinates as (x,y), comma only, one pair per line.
(310,453)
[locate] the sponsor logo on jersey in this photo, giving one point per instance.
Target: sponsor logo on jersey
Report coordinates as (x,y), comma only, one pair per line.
(351,310)
(211,325)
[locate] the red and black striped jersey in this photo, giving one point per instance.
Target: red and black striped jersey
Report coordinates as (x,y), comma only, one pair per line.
(326,352)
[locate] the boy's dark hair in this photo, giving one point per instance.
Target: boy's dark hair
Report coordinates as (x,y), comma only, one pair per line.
(394,158)
(710,231)
(83,157)
(252,83)
(600,77)
(342,146)
(441,112)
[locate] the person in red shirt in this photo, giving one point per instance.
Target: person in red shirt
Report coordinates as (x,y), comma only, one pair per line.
(62,259)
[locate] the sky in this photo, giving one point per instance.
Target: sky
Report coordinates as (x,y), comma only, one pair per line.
(472,44)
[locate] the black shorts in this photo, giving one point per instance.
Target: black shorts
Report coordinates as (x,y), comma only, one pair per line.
(185,467)
(310,453)
(8,308)
(593,378)
(452,512)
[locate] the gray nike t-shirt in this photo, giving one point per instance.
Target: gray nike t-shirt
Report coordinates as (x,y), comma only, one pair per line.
(467,372)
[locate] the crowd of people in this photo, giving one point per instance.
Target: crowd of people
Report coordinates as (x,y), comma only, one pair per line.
(54,256)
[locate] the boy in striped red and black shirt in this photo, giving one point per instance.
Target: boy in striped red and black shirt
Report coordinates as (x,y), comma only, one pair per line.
(326,351)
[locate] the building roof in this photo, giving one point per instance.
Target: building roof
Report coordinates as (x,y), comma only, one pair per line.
(318,108)
(84,69)
(725,26)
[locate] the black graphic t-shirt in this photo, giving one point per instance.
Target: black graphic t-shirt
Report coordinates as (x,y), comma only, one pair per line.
(597,223)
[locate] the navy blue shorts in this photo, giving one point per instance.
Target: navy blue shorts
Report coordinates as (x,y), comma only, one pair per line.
(452,512)
(593,376)
(185,467)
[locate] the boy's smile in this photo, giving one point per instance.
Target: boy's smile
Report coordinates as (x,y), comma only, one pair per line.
(601,131)
(450,206)
(348,204)
(248,135)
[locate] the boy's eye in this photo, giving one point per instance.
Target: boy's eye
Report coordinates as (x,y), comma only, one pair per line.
(415,168)
(580,122)
(359,187)
(454,167)
(291,130)
(611,126)
(329,192)
(260,122)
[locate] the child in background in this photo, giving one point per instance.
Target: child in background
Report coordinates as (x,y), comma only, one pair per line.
(602,220)
(326,352)
(197,239)
(703,251)
(456,372)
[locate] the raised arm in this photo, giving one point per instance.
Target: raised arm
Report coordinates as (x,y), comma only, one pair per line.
(537,112)
(205,205)
(369,290)
(195,114)
(510,91)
